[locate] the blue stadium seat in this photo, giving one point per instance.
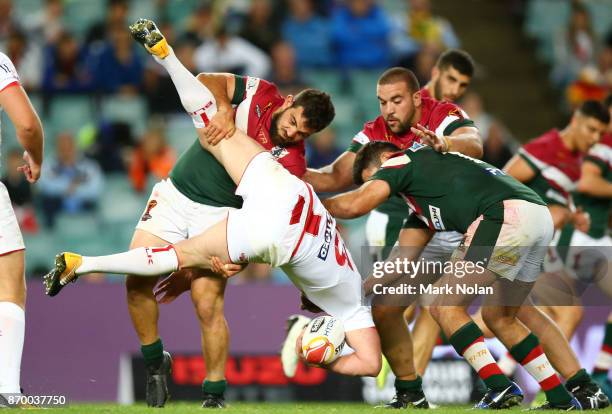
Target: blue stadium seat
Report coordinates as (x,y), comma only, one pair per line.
(180,132)
(69,113)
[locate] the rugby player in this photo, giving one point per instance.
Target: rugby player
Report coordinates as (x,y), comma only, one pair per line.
(402,107)
(14,101)
(198,194)
(491,209)
(281,222)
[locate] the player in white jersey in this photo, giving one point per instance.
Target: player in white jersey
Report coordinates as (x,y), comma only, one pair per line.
(282,223)
(14,101)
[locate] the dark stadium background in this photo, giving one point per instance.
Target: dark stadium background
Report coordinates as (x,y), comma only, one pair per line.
(81,344)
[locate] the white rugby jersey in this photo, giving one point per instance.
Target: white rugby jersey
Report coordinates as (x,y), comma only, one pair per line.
(8,76)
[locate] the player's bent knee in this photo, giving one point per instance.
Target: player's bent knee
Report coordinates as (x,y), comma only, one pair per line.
(137,286)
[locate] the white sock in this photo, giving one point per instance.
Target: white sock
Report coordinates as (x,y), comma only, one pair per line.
(196,98)
(142,261)
(12,331)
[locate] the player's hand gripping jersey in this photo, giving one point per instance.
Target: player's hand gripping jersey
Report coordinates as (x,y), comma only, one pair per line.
(199,176)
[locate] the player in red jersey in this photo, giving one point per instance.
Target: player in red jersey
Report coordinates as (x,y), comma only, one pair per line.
(405,112)
(198,194)
(282,223)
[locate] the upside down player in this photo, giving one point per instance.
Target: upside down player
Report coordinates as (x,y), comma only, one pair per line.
(281,222)
(492,209)
(404,112)
(198,194)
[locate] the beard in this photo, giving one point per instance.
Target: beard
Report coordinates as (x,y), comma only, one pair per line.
(401,127)
(438,92)
(274,134)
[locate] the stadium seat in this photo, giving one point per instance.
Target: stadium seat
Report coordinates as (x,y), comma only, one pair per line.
(180,132)
(131,110)
(346,122)
(327,80)
(80,15)
(68,113)
(363,87)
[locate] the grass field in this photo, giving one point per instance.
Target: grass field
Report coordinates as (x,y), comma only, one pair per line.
(294,408)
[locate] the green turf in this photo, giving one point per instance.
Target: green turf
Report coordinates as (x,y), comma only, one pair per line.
(293,408)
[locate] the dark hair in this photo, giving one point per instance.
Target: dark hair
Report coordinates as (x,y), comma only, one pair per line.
(398,74)
(458,59)
(595,109)
(318,108)
(368,156)
(608,101)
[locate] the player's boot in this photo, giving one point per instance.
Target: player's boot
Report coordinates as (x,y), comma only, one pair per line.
(157,382)
(590,396)
(574,404)
(213,400)
(289,359)
(407,399)
(146,33)
(604,382)
(494,400)
(64,272)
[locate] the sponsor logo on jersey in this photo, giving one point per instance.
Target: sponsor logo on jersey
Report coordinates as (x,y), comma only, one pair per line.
(251,83)
(327,236)
(279,152)
(507,259)
(316,325)
(456,112)
(416,146)
(436,218)
(261,136)
(147,214)
(257,111)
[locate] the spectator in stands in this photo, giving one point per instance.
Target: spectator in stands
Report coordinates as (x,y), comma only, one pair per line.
(7,22)
(322,149)
(360,32)
(46,25)
(69,183)
(574,46)
(118,64)
(65,68)
(152,158)
(498,144)
(594,82)
(230,53)
(309,34)
(284,71)
(20,192)
(259,28)
(116,15)
(27,58)
(200,25)
(426,28)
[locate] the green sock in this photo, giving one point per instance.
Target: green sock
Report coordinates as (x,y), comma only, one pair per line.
(214,387)
(414,385)
(581,377)
(153,353)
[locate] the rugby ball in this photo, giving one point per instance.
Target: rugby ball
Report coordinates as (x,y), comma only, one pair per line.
(323,340)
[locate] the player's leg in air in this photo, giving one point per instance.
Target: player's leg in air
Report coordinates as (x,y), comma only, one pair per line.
(270,194)
(524,235)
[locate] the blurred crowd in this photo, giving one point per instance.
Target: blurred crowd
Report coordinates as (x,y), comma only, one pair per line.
(110,113)
(575,38)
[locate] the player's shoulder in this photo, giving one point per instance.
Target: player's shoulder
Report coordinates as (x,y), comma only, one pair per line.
(602,150)
(375,129)
(8,73)
(444,108)
(547,139)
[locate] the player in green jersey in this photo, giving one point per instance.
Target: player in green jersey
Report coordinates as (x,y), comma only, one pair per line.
(506,225)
